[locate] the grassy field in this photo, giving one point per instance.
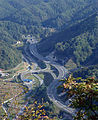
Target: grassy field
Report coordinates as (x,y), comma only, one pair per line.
(41,76)
(70,64)
(32,77)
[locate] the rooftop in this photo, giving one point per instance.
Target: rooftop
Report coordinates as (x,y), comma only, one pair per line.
(27,80)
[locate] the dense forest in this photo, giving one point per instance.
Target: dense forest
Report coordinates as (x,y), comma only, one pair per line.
(52,13)
(91,71)
(41,20)
(79,42)
(8,56)
(83,96)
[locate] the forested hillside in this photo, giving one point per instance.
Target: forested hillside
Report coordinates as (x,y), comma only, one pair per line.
(40,18)
(52,13)
(91,71)
(79,42)
(8,56)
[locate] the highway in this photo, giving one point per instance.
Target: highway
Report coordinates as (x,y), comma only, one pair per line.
(51,90)
(30,51)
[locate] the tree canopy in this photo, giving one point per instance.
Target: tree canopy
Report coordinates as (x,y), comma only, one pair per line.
(83,94)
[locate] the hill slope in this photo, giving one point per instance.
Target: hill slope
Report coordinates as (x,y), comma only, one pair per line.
(38,17)
(52,13)
(8,56)
(78,42)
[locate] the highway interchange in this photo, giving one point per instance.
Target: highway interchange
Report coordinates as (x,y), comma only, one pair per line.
(30,52)
(51,90)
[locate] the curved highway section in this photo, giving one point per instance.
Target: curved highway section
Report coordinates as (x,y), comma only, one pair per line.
(51,90)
